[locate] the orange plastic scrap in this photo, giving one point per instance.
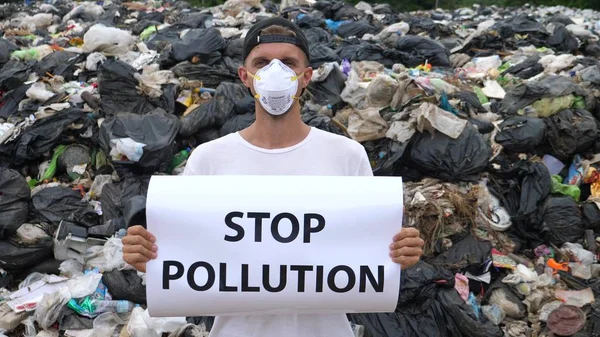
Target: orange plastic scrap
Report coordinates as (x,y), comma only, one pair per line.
(76,41)
(557,266)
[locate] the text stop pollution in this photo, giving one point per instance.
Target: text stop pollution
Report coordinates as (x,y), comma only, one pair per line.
(204,276)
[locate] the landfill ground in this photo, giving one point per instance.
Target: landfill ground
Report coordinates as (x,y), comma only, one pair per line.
(490,115)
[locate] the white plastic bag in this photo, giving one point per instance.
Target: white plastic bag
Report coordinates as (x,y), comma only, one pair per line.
(485,64)
(85,285)
(127,147)
(108,40)
(355,91)
(30,330)
(31,234)
(38,92)
(71,268)
(137,326)
(106,323)
(584,256)
(381,91)
(99,182)
(48,309)
(367,124)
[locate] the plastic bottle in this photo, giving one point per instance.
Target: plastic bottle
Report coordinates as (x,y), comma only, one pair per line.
(120,307)
(179,158)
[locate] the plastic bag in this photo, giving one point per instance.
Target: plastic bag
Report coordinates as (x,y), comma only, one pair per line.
(521,134)
(137,327)
(71,268)
(366,125)
(433,119)
(48,309)
(85,285)
(29,234)
(156,129)
(419,49)
(320,54)
(14,202)
(356,29)
(55,204)
(381,91)
(450,159)
(494,313)
(561,220)
(125,285)
(17,257)
(355,91)
(562,39)
(100,181)
(583,256)
(570,132)
(327,91)
(106,324)
(109,40)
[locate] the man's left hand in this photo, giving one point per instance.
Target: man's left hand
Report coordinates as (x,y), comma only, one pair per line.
(407,247)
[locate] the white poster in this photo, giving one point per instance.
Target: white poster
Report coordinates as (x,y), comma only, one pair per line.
(231,245)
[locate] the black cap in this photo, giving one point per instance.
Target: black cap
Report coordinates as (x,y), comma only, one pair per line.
(253,37)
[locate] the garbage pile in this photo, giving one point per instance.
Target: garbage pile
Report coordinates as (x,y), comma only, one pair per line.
(491,116)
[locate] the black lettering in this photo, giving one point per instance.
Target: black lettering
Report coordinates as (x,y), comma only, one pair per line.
(246,279)
(167,276)
(210,281)
(377,284)
(333,273)
(239,229)
(301,275)
(282,279)
(223,279)
(319,279)
(275,227)
(308,229)
(258,223)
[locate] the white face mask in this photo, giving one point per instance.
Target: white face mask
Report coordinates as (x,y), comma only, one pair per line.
(276,85)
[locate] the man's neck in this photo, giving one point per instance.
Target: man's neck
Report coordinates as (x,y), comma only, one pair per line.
(270,132)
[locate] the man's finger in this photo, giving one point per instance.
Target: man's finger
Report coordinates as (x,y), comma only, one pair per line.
(407,242)
(133,258)
(139,249)
(133,240)
(408,232)
(406,252)
(406,262)
(141,231)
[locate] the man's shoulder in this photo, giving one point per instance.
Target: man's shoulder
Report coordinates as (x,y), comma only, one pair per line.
(339,142)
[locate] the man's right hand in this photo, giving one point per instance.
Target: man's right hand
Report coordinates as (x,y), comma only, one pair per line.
(139,247)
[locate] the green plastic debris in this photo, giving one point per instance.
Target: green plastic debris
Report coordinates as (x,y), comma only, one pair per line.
(26,55)
(569,190)
(482,97)
(504,67)
(51,170)
(579,102)
(148,32)
(547,107)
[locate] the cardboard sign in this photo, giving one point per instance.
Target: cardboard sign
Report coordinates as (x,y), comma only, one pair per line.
(231,245)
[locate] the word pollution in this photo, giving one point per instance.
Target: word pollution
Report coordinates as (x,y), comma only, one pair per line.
(361,278)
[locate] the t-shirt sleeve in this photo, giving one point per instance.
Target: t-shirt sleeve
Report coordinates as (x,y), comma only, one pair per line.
(364,166)
(191,167)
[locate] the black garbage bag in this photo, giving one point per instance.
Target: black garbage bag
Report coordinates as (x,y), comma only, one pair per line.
(521,134)
(234,49)
(387,154)
(526,69)
(383,9)
(43,135)
(58,203)
(501,290)
(316,36)
(16,257)
(69,319)
(164,38)
(142,24)
(420,25)
(348,48)
(14,202)
(469,102)
(59,63)
(310,21)
(211,76)
(6,48)
(237,123)
(466,253)
(14,73)
(321,122)
(157,130)
(562,39)
(356,29)
(591,74)
(196,20)
(419,49)
(561,220)
(593,49)
(125,285)
(118,89)
(115,196)
(216,112)
(570,132)
(342,11)
(591,216)
(450,159)
(208,321)
(320,54)
(525,94)
(9,103)
(565,20)
(328,91)
(207,44)
(520,24)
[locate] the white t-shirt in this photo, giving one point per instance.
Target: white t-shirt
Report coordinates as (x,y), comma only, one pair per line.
(320,153)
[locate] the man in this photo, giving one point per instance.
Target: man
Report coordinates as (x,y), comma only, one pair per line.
(276,70)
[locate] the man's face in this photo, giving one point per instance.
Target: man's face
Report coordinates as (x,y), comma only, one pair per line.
(263,54)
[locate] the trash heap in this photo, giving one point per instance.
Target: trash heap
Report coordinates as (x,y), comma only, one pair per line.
(491,116)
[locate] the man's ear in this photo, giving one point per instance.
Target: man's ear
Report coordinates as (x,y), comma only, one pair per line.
(307,77)
(243,75)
